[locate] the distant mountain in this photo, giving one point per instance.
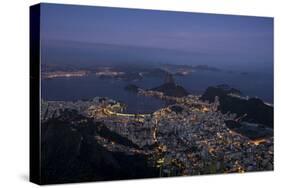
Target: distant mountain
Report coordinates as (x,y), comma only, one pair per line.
(254,109)
(169,79)
(171,89)
(220,91)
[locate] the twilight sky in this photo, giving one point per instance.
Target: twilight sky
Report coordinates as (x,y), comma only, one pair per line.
(218,39)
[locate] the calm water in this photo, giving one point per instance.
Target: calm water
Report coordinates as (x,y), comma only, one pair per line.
(91,86)
(253,84)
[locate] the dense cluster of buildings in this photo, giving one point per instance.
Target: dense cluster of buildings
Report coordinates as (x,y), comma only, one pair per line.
(108,72)
(64,74)
(200,142)
(187,138)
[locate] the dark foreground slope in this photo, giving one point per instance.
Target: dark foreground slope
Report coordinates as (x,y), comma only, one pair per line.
(71,153)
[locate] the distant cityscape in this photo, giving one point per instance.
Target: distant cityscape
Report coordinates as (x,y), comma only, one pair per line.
(132,93)
(191,135)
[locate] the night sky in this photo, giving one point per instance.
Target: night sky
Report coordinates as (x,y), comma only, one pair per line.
(240,41)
